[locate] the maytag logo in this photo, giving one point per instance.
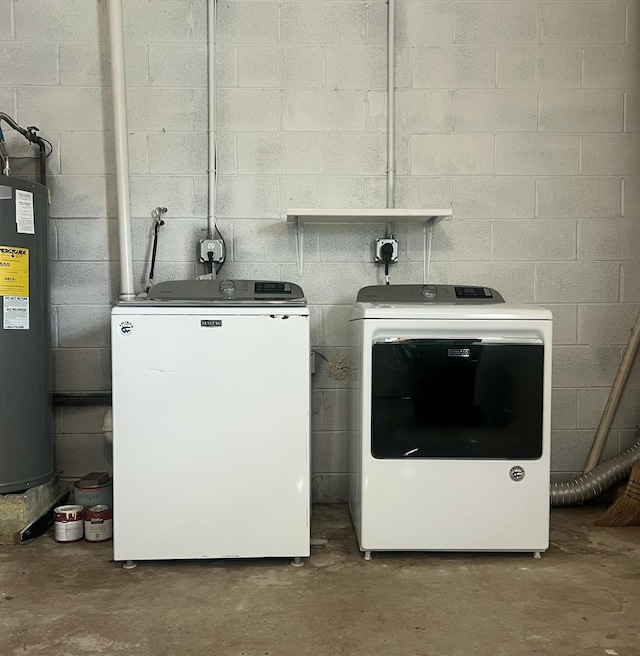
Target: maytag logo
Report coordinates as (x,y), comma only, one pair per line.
(459,353)
(210,323)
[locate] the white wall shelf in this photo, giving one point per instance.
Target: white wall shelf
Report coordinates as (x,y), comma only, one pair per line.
(300,216)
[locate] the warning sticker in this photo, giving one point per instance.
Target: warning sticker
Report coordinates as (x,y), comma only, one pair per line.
(14,271)
(15,315)
(25,222)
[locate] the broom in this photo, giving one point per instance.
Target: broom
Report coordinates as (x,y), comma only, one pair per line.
(625,511)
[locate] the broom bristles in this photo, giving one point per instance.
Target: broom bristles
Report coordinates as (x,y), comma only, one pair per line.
(625,511)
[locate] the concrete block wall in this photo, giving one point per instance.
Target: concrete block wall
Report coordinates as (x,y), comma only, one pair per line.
(523,116)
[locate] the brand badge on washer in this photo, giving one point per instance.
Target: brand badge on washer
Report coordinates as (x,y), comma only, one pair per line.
(459,353)
(516,473)
(125,328)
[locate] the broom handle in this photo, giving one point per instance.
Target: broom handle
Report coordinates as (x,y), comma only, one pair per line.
(609,412)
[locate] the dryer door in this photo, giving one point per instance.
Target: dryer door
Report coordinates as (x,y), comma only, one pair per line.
(457,398)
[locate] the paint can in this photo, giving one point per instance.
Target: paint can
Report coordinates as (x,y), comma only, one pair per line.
(94,489)
(68,525)
(98,524)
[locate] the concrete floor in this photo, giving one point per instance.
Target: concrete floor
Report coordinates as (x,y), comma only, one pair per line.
(582,597)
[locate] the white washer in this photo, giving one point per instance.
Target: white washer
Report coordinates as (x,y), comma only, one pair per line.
(451,429)
(211,403)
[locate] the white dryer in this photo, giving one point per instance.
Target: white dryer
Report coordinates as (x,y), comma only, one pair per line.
(451,429)
(211,388)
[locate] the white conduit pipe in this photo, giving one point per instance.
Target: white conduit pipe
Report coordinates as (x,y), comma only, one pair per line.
(211,87)
(119,102)
(391,97)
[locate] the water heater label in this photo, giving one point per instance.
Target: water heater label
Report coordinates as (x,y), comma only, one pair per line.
(25,222)
(14,271)
(15,315)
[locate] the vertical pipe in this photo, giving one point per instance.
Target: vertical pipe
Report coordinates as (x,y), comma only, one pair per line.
(391,165)
(119,100)
(211,89)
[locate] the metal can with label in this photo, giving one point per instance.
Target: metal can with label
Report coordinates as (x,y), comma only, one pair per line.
(68,525)
(98,524)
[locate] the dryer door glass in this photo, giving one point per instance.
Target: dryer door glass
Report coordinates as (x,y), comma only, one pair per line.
(457,399)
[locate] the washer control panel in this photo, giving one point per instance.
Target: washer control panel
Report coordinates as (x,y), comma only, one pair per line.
(413,294)
(249,292)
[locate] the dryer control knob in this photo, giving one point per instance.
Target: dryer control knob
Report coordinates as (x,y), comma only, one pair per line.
(227,287)
(429,291)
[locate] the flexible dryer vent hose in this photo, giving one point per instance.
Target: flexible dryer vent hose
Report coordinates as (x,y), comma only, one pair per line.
(598,480)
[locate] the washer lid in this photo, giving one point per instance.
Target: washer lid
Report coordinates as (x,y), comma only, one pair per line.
(226,292)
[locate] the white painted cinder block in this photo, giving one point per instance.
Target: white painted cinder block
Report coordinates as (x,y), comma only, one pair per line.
(178,153)
(84,326)
(91,240)
(247,109)
(591,403)
(582,23)
(364,67)
(496,23)
(271,241)
(416,110)
(348,242)
(631,196)
(247,22)
(576,197)
(149,21)
(611,67)
(564,408)
(6,23)
(453,241)
(280,66)
(533,240)
(501,110)
(58,108)
(170,191)
(355,154)
(248,197)
(411,191)
(552,67)
(581,282)
(631,111)
(565,322)
(328,283)
(585,366)
(87,64)
(82,283)
(273,152)
(452,154)
(93,153)
(327,23)
(613,154)
(335,192)
(82,196)
(160,110)
(606,323)
(29,63)
(60,20)
(537,154)
(504,197)
(424,23)
(323,110)
(453,67)
(583,110)
(600,239)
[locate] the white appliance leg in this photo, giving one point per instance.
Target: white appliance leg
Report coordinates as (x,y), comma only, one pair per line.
(129,564)
(367,555)
(537,554)
(297,562)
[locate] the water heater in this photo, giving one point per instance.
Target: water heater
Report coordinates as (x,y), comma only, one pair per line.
(26,445)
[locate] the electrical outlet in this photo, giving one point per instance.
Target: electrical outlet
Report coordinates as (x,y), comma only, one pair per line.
(215,246)
(379,243)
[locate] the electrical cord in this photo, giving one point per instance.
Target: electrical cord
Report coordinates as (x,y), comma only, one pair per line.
(387,254)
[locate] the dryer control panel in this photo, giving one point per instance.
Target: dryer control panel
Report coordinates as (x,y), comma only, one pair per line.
(416,294)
